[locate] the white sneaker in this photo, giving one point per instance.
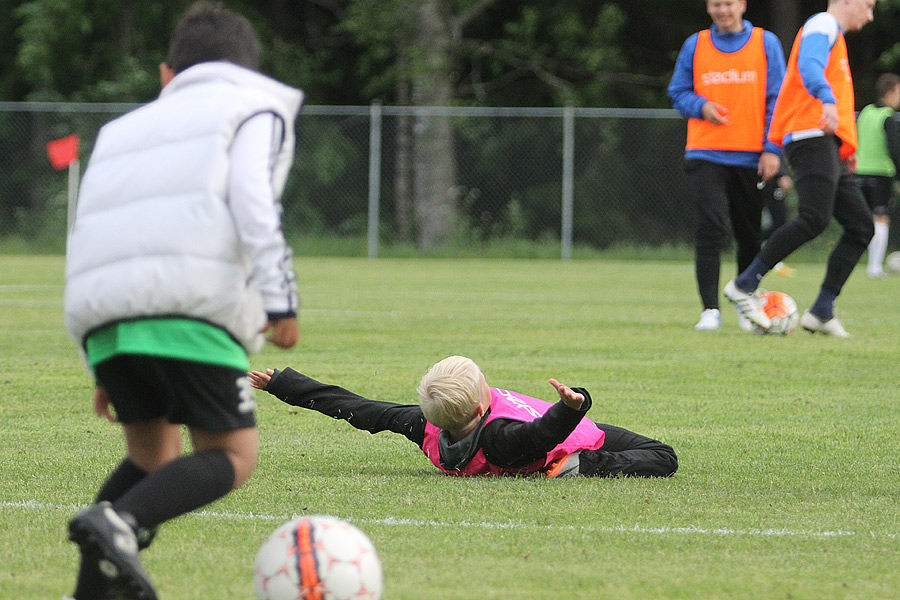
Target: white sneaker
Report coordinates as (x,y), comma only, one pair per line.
(814,324)
(748,305)
(710,320)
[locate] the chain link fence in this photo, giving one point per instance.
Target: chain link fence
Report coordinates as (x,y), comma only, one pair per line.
(420,178)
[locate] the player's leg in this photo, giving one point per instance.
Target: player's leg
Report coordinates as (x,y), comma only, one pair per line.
(90,583)
(746,202)
(817,169)
(878,196)
(241,447)
(852,212)
(855,217)
(216,403)
(140,410)
(205,397)
(776,203)
(109,536)
(709,183)
(627,453)
(878,246)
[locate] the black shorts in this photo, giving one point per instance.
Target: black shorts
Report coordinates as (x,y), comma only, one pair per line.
(200,395)
(878,190)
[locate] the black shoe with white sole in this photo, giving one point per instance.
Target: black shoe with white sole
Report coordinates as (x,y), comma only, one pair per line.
(105,536)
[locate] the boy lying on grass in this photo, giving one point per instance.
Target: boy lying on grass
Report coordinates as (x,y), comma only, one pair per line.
(467,428)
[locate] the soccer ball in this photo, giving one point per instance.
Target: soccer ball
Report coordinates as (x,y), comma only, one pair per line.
(782,310)
(317,558)
(892,262)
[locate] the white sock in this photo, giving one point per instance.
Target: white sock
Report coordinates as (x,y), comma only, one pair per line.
(877,248)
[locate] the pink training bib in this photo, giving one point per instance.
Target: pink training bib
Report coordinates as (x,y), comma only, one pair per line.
(512,405)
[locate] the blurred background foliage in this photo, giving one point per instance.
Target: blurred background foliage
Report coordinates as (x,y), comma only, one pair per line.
(445,180)
(487,52)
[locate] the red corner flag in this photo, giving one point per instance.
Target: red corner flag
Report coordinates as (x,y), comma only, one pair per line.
(62,151)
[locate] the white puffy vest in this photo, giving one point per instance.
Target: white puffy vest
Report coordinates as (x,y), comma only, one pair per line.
(153,235)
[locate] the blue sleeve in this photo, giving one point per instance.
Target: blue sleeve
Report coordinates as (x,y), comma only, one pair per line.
(774,77)
(681,88)
(811,62)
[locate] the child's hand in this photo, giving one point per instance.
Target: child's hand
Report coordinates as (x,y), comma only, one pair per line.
(284,333)
(102,404)
(715,113)
(829,121)
(571,398)
(260,380)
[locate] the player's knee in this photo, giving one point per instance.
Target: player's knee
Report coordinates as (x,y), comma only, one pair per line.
(668,461)
(244,463)
(812,223)
(864,232)
(709,241)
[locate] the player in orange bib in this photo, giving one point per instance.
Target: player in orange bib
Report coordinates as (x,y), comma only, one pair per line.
(725,82)
(815,123)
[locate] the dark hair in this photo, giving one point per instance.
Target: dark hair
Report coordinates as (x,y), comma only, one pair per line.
(885,83)
(209,32)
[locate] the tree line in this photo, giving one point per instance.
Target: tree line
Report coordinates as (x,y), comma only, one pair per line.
(407,52)
(485,52)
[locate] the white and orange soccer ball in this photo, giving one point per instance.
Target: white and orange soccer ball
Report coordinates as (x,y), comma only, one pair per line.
(783,312)
(317,558)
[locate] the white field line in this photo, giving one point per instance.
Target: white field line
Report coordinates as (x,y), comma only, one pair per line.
(350,313)
(431,523)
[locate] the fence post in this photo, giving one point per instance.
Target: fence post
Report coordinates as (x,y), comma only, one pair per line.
(74,173)
(374,175)
(568,174)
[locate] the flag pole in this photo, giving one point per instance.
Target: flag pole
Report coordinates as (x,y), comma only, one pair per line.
(74,172)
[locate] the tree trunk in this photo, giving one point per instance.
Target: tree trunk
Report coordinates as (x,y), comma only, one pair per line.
(786,21)
(403,169)
(434,179)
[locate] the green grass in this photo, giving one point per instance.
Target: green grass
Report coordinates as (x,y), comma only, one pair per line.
(788,449)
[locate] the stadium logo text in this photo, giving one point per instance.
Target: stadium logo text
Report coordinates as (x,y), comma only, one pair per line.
(729,76)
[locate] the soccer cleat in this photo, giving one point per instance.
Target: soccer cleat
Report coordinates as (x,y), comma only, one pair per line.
(710,320)
(744,323)
(814,324)
(106,537)
(747,304)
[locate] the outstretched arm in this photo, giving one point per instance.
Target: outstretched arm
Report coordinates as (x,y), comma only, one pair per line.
(513,444)
(370,415)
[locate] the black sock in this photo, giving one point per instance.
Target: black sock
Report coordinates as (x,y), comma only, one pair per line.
(122,479)
(183,485)
(90,581)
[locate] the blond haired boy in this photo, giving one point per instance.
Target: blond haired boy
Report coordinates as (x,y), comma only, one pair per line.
(467,428)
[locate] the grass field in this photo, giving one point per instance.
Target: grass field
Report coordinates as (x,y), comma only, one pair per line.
(789,462)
